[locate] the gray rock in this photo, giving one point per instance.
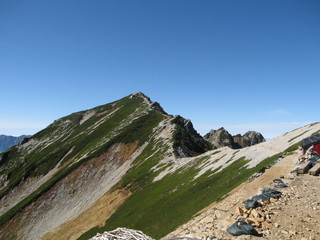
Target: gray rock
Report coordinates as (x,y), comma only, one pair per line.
(248,139)
(222,138)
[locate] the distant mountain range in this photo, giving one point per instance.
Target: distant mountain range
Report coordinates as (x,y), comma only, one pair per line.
(7,142)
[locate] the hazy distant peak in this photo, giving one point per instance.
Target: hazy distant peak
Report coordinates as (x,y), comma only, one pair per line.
(7,142)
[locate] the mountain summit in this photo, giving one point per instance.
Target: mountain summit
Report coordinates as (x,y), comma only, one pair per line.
(124,164)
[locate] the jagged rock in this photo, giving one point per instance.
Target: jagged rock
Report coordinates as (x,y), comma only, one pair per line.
(248,139)
(156,106)
(187,142)
(255,213)
(222,138)
(3,179)
(240,211)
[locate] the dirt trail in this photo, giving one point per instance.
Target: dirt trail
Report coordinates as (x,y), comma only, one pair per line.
(213,222)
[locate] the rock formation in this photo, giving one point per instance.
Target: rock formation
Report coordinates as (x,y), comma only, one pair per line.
(187,142)
(222,138)
(248,139)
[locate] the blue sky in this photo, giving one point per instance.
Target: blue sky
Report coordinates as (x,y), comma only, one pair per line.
(245,65)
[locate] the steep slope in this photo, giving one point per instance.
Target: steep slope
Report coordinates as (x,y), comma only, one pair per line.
(84,154)
(66,168)
(184,186)
(7,142)
(213,221)
(124,164)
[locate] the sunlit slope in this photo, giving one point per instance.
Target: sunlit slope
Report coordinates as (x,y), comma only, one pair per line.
(123,164)
(167,193)
(105,136)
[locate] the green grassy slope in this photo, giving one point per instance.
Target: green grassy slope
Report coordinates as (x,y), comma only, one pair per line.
(157,208)
(81,142)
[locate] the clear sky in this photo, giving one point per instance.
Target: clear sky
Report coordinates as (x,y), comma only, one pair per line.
(245,65)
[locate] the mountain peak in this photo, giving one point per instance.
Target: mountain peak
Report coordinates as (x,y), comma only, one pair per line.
(140,94)
(153,105)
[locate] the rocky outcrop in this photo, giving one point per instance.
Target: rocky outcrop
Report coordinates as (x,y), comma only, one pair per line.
(186,141)
(3,179)
(222,138)
(157,107)
(248,139)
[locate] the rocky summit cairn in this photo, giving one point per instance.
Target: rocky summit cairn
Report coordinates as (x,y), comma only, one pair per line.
(122,233)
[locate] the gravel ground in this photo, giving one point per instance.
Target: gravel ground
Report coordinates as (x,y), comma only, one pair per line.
(296,215)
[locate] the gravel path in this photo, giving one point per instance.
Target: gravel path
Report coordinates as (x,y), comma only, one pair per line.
(293,216)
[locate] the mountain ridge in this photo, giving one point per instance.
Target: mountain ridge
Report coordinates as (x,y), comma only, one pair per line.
(132,150)
(66,143)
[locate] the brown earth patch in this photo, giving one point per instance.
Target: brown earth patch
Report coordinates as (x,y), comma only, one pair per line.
(118,153)
(106,205)
(94,216)
(67,188)
(126,150)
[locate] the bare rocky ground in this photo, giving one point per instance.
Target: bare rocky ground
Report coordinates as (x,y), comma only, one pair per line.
(296,215)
